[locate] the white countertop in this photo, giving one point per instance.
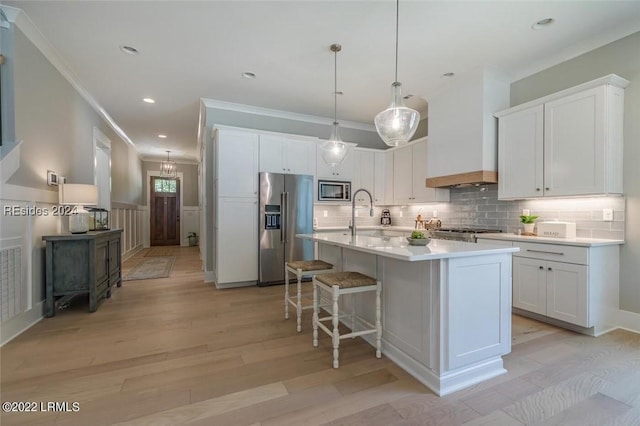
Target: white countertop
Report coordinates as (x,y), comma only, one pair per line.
(399,248)
(365,228)
(582,242)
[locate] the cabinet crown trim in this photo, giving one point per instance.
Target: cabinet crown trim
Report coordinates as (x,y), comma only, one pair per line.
(611,79)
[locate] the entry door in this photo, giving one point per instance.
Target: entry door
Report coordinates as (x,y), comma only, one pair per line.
(165,211)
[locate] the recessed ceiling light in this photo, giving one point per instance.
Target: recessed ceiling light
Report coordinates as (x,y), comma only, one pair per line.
(448,74)
(149,100)
(248,75)
(543,23)
(129,50)
(162,136)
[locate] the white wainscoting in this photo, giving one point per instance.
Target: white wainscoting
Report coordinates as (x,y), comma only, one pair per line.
(128,217)
(23,230)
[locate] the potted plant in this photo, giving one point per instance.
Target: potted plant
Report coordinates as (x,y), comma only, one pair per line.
(193,238)
(528,221)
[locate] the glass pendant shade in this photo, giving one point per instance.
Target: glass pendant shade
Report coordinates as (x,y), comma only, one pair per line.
(397,124)
(334,150)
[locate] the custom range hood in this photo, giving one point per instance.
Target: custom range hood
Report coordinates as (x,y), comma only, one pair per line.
(463,133)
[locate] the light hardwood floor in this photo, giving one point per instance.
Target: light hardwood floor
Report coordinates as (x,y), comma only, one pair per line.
(177,351)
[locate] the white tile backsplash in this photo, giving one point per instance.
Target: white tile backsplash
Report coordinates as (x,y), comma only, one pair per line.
(480,207)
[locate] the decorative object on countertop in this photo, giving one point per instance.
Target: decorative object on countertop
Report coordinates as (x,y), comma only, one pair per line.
(433,223)
(397,124)
(78,195)
(418,238)
(557,229)
(334,150)
(528,221)
(385,218)
(98,219)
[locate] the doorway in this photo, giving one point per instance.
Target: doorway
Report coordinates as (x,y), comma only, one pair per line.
(164,209)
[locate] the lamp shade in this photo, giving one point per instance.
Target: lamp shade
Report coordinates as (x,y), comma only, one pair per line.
(397,124)
(333,150)
(78,194)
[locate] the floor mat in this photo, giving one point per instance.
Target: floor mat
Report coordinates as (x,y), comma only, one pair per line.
(154,267)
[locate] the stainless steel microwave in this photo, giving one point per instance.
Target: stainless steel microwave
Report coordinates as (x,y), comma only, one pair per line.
(331,190)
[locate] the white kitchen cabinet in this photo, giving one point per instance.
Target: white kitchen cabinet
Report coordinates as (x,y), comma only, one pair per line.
(383,179)
(237,163)
(568,143)
(410,174)
(576,285)
(520,158)
(237,241)
(287,154)
(364,173)
(343,172)
(554,289)
(567,297)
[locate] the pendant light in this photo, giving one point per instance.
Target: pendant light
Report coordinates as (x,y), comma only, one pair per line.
(334,150)
(398,123)
(168,168)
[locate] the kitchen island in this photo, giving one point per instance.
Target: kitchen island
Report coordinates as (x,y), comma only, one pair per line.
(446,306)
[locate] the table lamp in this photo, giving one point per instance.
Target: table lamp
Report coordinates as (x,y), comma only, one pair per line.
(78,195)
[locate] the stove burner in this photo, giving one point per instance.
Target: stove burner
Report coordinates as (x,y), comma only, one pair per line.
(460,234)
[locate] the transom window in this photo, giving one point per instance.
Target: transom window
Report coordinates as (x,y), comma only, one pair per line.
(165,185)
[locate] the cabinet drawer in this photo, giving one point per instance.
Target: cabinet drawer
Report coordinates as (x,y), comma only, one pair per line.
(555,252)
(102,287)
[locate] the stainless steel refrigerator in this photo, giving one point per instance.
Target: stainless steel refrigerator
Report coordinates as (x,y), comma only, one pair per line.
(286,209)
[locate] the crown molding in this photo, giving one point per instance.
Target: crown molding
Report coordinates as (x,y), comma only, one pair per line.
(276,113)
(26,25)
(159,159)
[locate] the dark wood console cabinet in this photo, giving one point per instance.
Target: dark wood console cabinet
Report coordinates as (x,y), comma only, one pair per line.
(81,264)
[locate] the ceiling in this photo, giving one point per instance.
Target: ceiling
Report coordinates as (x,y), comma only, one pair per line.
(192,50)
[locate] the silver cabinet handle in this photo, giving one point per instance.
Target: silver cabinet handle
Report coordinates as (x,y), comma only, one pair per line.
(541,267)
(546,252)
(549,269)
(547,189)
(537,189)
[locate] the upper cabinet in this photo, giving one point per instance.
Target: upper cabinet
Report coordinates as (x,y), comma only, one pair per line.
(568,143)
(410,173)
(383,179)
(344,171)
(237,163)
(463,139)
(287,154)
(364,173)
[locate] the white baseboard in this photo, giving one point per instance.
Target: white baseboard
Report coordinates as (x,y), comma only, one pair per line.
(236,285)
(629,321)
(131,252)
(209,277)
(20,323)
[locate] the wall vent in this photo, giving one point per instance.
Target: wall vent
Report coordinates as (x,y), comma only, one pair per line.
(10,283)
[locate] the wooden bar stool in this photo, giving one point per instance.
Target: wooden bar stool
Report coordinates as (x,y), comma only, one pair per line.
(301,268)
(337,284)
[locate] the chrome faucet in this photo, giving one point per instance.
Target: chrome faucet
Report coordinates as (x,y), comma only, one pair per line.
(353,209)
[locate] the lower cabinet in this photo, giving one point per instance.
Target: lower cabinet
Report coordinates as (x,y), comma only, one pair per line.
(554,289)
(577,285)
(236,241)
(81,264)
